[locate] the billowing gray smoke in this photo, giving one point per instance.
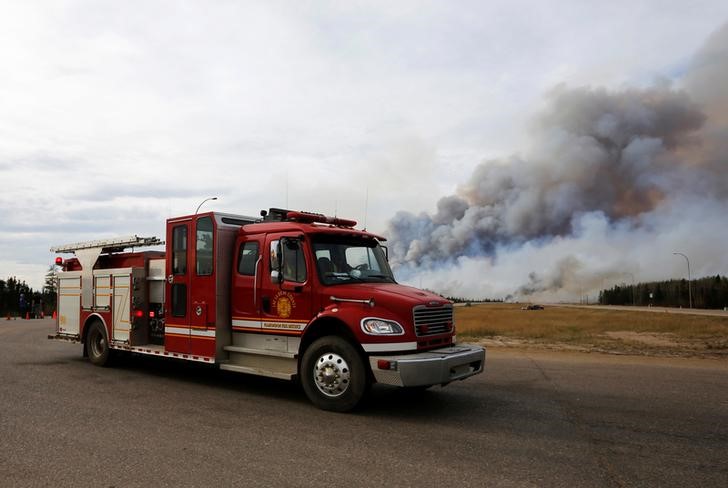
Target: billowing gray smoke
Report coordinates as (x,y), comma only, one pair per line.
(639,164)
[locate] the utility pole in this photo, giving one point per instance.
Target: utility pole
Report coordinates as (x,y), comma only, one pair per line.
(690,292)
(633,289)
(203,201)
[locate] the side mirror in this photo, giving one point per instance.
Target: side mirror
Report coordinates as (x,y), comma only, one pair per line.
(291,243)
(276,262)
(386,252)
(276,276)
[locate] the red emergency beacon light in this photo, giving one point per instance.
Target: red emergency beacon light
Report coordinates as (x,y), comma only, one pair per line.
(309,218)
(59,261)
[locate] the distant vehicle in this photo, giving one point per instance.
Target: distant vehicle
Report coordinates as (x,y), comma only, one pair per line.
(532,307)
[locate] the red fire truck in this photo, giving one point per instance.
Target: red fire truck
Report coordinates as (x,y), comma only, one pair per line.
(288,295)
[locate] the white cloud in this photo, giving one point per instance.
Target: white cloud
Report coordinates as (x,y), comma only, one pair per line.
(116,115)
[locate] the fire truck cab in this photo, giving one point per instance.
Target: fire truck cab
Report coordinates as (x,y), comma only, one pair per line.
(289,295)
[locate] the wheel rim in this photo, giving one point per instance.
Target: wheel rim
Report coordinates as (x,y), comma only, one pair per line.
(331,374)
(98,344)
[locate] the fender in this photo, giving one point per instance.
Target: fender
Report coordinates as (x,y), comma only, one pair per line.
(94,315)
(343,318)
(327,322)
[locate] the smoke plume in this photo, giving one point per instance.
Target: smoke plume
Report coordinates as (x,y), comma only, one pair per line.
(611,184)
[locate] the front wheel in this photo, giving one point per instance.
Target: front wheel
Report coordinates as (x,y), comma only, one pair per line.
(333,374)
(97,345)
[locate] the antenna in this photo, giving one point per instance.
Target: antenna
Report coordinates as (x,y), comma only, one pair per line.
(366,208)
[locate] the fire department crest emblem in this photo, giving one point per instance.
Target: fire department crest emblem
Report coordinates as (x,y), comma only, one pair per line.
(284,303)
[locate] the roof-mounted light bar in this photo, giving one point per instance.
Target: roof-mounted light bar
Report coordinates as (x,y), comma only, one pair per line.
(309,218)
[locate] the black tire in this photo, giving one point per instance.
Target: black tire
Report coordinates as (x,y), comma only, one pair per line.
(97,345)
(333,374)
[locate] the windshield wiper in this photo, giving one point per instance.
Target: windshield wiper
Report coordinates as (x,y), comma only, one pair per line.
(385,277)
(337,278)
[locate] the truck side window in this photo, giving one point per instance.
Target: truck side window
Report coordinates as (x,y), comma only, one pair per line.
(179,300)
(294,262)
(204,247)
(247,258)
(179,250)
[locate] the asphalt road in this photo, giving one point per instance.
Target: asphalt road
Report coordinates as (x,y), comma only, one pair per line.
(533,419)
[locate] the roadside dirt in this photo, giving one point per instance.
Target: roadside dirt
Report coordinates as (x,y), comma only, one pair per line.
(616,343)
(601,330)
(651,339)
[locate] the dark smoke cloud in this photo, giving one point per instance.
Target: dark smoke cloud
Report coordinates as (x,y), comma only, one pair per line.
(625,156)
(596,151)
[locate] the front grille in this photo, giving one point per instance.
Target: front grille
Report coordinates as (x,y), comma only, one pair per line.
(432,320)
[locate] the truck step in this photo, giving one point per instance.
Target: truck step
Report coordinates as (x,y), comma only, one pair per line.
(256,371)
(260,352)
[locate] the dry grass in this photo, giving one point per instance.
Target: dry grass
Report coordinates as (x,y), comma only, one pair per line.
(595,329)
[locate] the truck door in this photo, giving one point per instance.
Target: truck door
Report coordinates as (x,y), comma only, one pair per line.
(245,302)
(177,292)
(202,287)
(286,285)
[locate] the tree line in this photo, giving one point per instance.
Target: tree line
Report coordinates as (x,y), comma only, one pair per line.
(708,292)
(33,301)
(478,300)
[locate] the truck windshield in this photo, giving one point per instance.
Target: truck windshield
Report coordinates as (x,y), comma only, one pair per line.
(342,259)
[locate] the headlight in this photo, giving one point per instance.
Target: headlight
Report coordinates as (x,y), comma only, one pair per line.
(375,326)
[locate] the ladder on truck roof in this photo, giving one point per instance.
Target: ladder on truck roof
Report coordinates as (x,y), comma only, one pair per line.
(88,252)
(116,244)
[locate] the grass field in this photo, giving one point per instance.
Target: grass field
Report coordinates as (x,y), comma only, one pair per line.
(594,329)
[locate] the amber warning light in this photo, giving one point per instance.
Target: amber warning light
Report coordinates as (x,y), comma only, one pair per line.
(385,364)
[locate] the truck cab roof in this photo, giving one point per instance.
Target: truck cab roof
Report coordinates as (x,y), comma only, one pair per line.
(305,228)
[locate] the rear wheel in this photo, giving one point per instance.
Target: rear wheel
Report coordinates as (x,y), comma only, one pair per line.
(333,374)
(97,345)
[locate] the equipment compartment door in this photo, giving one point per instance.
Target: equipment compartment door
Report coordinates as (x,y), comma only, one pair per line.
(69,304)
(122,308)
(102,291)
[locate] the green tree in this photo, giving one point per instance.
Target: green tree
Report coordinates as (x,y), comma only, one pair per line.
(49,295)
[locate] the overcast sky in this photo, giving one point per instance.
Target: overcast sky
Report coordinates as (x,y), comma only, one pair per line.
(117,115)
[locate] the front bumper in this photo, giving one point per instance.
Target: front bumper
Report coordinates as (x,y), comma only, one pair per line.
(435,367)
